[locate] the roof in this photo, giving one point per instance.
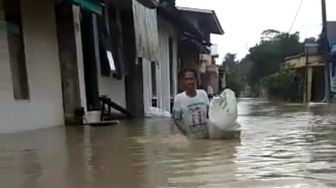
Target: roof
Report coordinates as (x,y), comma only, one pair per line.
(331,26)
(188,30)
(294,56)
(204,16)
(150,3)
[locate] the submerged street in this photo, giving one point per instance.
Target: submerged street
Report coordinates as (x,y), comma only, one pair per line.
(281,145)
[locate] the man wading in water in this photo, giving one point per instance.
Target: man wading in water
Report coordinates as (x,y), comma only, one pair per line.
(191,108)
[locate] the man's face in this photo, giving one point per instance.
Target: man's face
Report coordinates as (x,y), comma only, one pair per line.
(189,81)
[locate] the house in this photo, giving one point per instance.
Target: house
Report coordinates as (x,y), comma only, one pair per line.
(160,81)
(104,53)
(309,70)
(141,42)
(209,71)
(182,41)
(66,57)
(30,81)
(62,56)
(331,30)
(199,54)
(211,77)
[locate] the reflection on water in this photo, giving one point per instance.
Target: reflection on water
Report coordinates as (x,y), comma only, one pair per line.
(282,145)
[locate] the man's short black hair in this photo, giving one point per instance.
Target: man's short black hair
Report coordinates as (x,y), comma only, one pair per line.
(189,70)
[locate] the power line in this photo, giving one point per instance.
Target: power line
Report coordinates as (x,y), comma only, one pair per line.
(296,15)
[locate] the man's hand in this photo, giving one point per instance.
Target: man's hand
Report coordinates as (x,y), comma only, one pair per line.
(180,126)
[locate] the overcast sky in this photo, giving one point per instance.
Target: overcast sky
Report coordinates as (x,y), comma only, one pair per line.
(244,20)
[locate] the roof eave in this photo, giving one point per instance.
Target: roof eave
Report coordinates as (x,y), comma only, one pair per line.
(173,15)
(219,26)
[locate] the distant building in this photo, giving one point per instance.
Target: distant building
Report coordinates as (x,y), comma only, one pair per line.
(331,30)
(210,76)
(309,70)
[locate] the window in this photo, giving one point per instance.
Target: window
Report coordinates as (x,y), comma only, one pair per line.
(16,49)
(111,60)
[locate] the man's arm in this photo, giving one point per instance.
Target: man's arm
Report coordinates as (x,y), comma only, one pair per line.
(180,126)
(177,116)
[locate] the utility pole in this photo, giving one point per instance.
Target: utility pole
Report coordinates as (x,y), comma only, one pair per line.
(325,52)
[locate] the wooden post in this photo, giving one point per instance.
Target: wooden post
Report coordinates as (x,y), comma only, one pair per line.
(134,78)
(325,49)
(309,83)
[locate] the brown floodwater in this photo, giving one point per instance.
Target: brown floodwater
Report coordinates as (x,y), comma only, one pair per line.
(281,145)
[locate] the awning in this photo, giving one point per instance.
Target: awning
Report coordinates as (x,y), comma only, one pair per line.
(150,3)
(92,5)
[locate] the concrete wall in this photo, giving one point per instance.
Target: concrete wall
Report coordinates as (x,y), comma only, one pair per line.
(147,85)
(113,88)
(163,78)
(44,108)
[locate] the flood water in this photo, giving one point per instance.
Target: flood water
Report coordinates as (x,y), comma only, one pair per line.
(281,145)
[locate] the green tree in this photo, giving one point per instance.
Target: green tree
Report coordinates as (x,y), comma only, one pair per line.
(266,57)
(234,77)
(263,63)
(280,84)
(269,53)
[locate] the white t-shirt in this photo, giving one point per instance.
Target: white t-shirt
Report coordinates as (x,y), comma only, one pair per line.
(192,111)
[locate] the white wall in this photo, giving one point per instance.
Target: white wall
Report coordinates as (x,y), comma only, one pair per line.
(113,88)
(163,78)
(45,106)
(147,85)
(79,54)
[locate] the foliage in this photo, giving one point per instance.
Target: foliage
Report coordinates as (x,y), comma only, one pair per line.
(280,84)
(262,66)
(245,65)
(269,53)
(235,80)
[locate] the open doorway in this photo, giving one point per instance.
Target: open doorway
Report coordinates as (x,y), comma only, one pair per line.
(89,59)
(318,84)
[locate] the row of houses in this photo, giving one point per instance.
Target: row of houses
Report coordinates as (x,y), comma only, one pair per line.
(310,69)
(59,57)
